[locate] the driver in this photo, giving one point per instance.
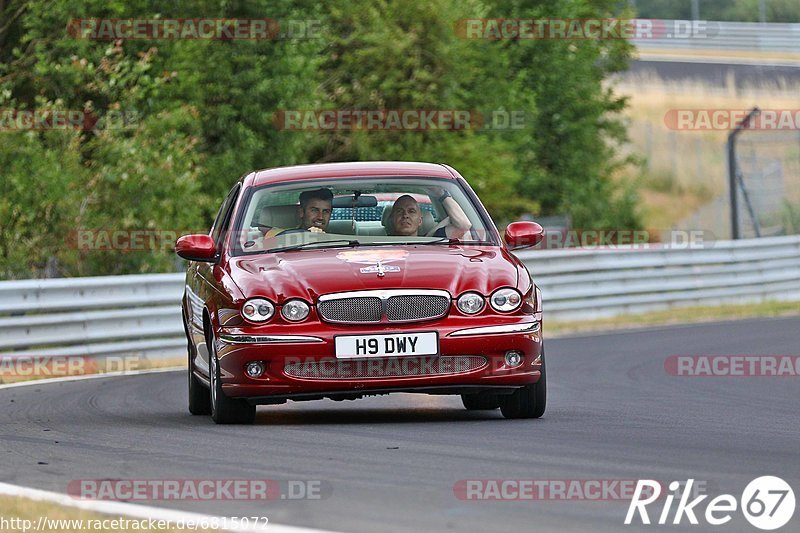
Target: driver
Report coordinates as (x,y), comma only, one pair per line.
(315,210)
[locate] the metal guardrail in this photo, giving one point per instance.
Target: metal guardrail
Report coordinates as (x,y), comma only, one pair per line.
(585,283)
(712,35)
(140,314)
(112,315)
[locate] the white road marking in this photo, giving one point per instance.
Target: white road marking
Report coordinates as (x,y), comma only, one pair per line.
(89,376)
(123,508)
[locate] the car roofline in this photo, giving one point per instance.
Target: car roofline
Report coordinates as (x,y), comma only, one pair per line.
(364,169)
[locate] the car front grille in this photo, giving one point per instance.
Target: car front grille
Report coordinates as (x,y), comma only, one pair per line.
(385,367)
(416,307)
(384,306)
(358,309)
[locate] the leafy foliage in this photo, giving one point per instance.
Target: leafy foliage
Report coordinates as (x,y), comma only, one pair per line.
(197,114)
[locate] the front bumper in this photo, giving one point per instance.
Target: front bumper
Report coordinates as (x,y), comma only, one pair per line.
(313,344)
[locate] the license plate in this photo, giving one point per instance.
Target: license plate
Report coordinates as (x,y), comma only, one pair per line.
(391,345)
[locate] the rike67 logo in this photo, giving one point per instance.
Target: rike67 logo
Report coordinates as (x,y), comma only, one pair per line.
(767,503)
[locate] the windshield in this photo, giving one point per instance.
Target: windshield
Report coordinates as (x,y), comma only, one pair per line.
(357,212)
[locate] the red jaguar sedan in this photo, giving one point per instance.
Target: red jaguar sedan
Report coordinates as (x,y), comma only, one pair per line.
(347,280)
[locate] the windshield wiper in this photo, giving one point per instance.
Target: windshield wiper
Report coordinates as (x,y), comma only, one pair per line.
(450,240)
(347,243)
(441,240)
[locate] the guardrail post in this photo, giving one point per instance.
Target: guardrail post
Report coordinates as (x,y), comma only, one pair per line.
(732,172)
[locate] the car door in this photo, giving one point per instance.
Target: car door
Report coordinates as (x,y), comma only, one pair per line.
(205,285)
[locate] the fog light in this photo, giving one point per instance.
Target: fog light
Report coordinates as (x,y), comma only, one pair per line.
(513,358)
(256,368)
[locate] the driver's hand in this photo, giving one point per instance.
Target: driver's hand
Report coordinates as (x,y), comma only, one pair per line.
(314,229)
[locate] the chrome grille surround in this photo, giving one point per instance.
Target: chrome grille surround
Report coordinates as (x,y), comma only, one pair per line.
(385,367)
(387,305)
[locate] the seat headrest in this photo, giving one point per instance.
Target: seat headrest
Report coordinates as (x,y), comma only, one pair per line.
(278,216)
(343,227)
(387,210)
(427,223)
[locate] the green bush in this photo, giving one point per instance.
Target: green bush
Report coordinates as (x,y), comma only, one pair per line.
(201,114)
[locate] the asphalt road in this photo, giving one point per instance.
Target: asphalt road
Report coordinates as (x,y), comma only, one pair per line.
(390,463)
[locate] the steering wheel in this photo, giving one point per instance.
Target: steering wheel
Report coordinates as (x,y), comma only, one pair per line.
(263,228)
(292,230)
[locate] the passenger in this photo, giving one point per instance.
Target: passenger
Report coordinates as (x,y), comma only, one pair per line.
(406,217)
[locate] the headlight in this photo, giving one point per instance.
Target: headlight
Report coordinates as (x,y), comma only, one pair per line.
(258,310)
(470,303)
(532,302)
(295,310)
(505,300)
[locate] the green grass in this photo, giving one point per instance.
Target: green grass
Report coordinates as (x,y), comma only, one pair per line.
(27,509)
(142,364)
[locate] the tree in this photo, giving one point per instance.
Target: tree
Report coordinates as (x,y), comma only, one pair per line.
(178,121)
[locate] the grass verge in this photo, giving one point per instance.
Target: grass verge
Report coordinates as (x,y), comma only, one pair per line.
(685,169)
(37,368)
(717,55)
(682,315)
(24,514)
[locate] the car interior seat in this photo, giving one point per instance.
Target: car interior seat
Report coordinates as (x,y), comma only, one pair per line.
(278,216)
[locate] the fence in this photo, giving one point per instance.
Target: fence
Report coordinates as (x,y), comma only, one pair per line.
(141,314)
(90,316)
(732,36)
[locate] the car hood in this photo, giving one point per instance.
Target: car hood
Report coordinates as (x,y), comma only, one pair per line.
(310,273)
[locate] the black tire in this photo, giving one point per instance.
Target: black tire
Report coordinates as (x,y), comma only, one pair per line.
(529,401)
(226,410)
(199,397)
(482,401)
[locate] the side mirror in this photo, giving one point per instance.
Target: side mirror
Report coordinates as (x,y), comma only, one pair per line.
(196,248)
(523,234)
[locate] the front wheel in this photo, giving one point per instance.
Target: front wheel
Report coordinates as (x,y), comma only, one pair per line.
(480,402)
(529,401)
(226,410)
(199,399)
